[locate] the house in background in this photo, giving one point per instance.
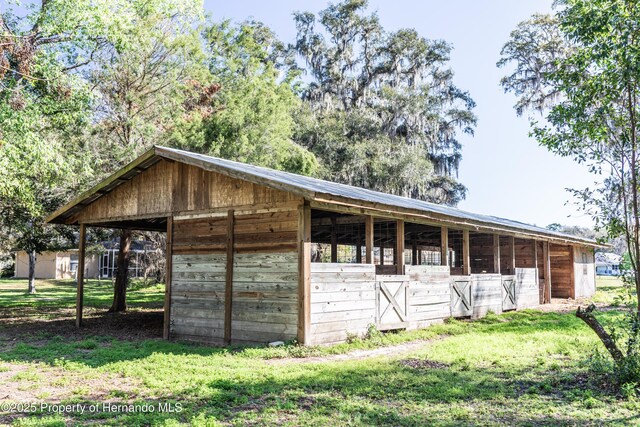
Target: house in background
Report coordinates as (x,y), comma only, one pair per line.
(608,264)
(55,265)
(64,264)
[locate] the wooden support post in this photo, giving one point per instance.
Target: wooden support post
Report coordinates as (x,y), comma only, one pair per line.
(368,239)
(399,246)
(414,252)
(547,272)
(496,253)
(381,254)
(167,281)
(80,275)
(444,246)
(466,258)
(572,271)
(535,254)
(512,255)
(304,274)
(359,247)
(334,241)
(228,289)
(419,256)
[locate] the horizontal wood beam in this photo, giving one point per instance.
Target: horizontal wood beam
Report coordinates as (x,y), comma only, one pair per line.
(435,220)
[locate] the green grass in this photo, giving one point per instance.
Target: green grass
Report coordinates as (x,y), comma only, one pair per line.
(609,290)
(524,368)
(61,294)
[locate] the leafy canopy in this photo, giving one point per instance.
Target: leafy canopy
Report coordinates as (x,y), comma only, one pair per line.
(381,109)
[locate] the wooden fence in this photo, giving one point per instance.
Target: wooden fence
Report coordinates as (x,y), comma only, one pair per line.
(346,299)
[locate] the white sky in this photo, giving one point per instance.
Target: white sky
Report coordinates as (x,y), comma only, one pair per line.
(507,174)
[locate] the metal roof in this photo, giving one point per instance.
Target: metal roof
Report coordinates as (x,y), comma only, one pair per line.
(315,190)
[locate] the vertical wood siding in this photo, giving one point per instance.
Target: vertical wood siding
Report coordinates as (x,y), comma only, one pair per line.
(342,301)
(265,278)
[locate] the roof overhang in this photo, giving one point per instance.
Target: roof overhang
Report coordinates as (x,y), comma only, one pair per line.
(321,199)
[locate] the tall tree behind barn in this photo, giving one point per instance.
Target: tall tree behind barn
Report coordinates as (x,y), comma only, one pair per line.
(382,111)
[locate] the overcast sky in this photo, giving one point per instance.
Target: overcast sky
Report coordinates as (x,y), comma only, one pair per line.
(507,174)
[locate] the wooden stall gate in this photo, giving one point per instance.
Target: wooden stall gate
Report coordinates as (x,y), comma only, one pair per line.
(509,293)
(392,302)
(527,289)
(461,296)
(346,299)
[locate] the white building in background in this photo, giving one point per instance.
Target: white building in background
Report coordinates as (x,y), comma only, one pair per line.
(608,264)
(64,264)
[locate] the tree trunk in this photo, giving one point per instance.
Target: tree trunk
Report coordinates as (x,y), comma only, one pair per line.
(32,272)
(588,318)
(122,269)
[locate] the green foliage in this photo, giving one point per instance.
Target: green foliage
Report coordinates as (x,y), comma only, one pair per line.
(250,118)
(381,110)
(145,87)
(49,99)
(580,67)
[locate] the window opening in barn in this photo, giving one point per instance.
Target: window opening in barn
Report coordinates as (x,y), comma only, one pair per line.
(507,265)
(481,253)
(384,239)
(455,256)
(422,244)
(337,237)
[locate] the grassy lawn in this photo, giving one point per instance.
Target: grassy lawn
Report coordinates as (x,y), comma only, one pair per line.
(524,368)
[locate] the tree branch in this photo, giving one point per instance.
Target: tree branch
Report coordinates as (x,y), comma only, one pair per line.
(587,316)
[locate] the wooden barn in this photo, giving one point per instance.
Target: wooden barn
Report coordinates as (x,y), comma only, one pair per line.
(258,255)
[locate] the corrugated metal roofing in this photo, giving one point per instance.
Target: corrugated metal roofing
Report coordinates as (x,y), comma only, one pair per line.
(307,187)
(319,186)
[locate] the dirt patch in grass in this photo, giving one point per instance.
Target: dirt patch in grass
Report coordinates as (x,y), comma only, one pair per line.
(394,351)
(423,364)
(564,305)
(25,384)
(137,324)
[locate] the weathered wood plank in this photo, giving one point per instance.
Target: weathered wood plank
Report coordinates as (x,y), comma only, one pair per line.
(228,292)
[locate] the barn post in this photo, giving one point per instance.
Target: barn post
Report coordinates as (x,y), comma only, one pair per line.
(496,253)
(399,246)
(444,246)
(167,279)
(368,239)
(359,246)
(334,241)
(546,273)
(414,251)
(572,271)
(535,254)
(512,255)
(466,259)
(80,275)
(228,288)
(304,274)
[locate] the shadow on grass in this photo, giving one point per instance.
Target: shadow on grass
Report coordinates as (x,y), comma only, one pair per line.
(389,394)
